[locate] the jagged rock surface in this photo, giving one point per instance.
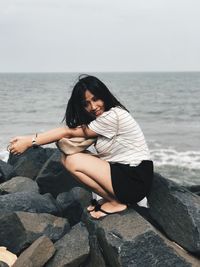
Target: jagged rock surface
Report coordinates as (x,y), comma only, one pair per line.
(37,254)
(177,211)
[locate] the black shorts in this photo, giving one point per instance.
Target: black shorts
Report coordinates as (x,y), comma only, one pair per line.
(131,183)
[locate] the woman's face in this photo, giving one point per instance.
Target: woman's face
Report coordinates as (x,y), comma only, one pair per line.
(93,105)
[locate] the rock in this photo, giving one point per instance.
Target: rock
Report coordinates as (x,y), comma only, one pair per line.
(72,203)
(177,211)
(127,240)
(72,249)
(20,229)
(37,254)
(6,171)
(7,258)
(54,178)
(30,162)
(3,264)
(19,184)
(29,201)
(194,189)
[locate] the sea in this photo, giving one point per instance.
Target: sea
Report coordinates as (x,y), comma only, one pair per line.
(165,104)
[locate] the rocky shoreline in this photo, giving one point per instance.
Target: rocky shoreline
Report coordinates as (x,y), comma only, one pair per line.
(44,222)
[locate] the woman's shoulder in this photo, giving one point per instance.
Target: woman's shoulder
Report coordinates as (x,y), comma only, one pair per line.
(112,112)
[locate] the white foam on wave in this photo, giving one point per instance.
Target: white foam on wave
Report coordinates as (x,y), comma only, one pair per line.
(187,159)
(4,155)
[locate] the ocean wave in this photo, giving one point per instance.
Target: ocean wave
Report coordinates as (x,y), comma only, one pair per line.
(171,157)
(4,155)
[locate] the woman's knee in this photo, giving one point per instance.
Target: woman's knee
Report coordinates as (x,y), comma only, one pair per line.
(70,162)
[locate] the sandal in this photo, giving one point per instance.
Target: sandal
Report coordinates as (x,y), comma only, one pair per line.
(98,208)
(93,203)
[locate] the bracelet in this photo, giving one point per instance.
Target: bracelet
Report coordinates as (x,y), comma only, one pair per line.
(34,143)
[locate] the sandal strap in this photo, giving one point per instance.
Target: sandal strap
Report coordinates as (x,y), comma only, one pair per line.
(93,202)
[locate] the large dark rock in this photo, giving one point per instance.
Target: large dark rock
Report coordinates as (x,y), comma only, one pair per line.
(72,203)
(72,249)
(29,201)
(127,239)
(18,184)
(6,171)
(30,162)
(37,254)
(194,189)
(20,229)
(3,264)
(177,211)
(54,178)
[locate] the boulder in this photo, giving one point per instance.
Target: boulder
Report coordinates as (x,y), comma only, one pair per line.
(177,211)
(194,189)
(6,171)
(30,162)
(20,229)
(29,201)
(127,239)
(37,254)
(3,264)
(72,203)
(54,178)
(19,184)
(72,249)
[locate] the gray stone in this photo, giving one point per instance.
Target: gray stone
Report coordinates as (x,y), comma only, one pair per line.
(3,264)
(19,229)
(177,211)
(54,178)
(30,162)
(6,171)
(194,189)
(37,254)
(127,240)
(72,203)
(72,249)
(29,201)
(19,184)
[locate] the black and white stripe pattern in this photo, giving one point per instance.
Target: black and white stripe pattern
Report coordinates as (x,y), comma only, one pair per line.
(128,146)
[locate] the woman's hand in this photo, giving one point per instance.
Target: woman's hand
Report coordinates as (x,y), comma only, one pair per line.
(19,144)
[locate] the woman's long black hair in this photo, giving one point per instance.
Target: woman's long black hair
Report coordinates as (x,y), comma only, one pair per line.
(76,113)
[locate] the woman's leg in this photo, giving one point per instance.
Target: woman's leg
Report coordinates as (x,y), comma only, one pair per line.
(94,173)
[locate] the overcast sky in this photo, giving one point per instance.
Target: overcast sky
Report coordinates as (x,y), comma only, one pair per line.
(99,35)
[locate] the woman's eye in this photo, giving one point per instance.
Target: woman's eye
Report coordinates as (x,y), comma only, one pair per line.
(95,98)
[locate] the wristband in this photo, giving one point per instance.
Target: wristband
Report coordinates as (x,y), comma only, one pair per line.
(34,143)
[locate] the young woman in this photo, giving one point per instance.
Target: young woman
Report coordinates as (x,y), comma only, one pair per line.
(122,173)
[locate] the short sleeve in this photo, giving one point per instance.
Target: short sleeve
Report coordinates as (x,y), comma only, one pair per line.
(105,124)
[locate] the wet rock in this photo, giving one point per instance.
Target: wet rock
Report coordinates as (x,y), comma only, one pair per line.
(3,264)
(29,201)
(37,254)
(54,178)
(30,162)
(177,211)
(72,249)
(6,171)
(19,184)
(20,229)
(127,239)
(72,203)
(194,189)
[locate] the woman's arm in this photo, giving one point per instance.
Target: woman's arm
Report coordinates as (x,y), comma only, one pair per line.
(21,143)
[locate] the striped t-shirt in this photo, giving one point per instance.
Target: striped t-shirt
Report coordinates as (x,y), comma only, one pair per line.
(120,138)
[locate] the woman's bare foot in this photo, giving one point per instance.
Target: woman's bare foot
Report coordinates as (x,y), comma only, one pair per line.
(92,207)
(109,208)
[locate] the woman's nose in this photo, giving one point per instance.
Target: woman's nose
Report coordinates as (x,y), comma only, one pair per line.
(93,105)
